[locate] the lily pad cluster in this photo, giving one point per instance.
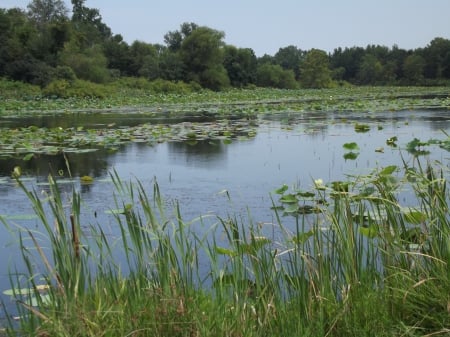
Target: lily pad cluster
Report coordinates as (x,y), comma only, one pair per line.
(361,194)
(418,147)
(29,141)
(237,101)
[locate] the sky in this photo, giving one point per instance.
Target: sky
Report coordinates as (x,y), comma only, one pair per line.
(268,25)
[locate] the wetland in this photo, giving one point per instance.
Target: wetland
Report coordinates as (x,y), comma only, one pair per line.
(259,157)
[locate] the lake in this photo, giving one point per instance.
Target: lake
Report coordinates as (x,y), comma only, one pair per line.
(214,177)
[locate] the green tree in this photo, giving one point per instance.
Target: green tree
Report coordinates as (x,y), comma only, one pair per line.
(413,68)
(437,58)
(290,57)
(174,39)
(274,76)
(171,67)
(89,24)
(315,70)
(18,50)
(117,52)
(370,70)
(348,59)
(144,60)
(88,63)
(43,12)
(378,66)
(397,57)
(241,65)
(202,55)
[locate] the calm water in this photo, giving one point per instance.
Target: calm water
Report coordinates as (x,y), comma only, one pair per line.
(289,149)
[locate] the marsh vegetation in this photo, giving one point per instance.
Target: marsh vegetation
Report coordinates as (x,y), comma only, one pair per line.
(361,253)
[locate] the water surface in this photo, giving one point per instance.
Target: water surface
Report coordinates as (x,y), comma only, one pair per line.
(292,149)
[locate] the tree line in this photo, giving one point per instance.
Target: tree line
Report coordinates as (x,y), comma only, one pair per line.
(42,45)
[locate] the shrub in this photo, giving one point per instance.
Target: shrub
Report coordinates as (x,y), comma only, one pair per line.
(79,88)
(17,89)
(65,73)
(270,75)
(164,86)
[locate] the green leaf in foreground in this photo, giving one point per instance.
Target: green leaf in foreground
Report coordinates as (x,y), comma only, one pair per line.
(350,155)
(289,198)
(415,217)
(388,170)
(282,189)
(256,244)
(302,237)
(370,232)
(340,186)
(351,146)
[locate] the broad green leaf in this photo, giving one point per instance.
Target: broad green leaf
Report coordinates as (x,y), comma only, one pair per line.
(282,189)
(302,237)
(340,186)
(308,209)
(306,194)
(351,155)
(289,198)
(351,146)
(367,191)
(291,208)
(388,170)
(28,156)
(370,232)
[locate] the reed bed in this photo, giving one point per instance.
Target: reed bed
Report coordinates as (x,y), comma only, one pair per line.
(359,264)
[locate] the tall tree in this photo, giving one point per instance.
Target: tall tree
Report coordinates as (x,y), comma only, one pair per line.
(144,60)
(348,59)
(19,41)
(241,65)
(413,68)
(370,70)
(202,54)
(315,70)
(274,76)
(171,66)
(88,63)
(173,39)
(45,11)
(88,22)
(117,52)
(290,57)
(437,58)
(54,30)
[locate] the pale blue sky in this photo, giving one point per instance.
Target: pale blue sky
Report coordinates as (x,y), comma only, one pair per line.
(265,25)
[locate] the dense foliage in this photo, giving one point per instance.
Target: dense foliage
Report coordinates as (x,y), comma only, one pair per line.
(43,44)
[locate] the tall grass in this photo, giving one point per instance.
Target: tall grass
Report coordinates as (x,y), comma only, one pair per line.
(363,265)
